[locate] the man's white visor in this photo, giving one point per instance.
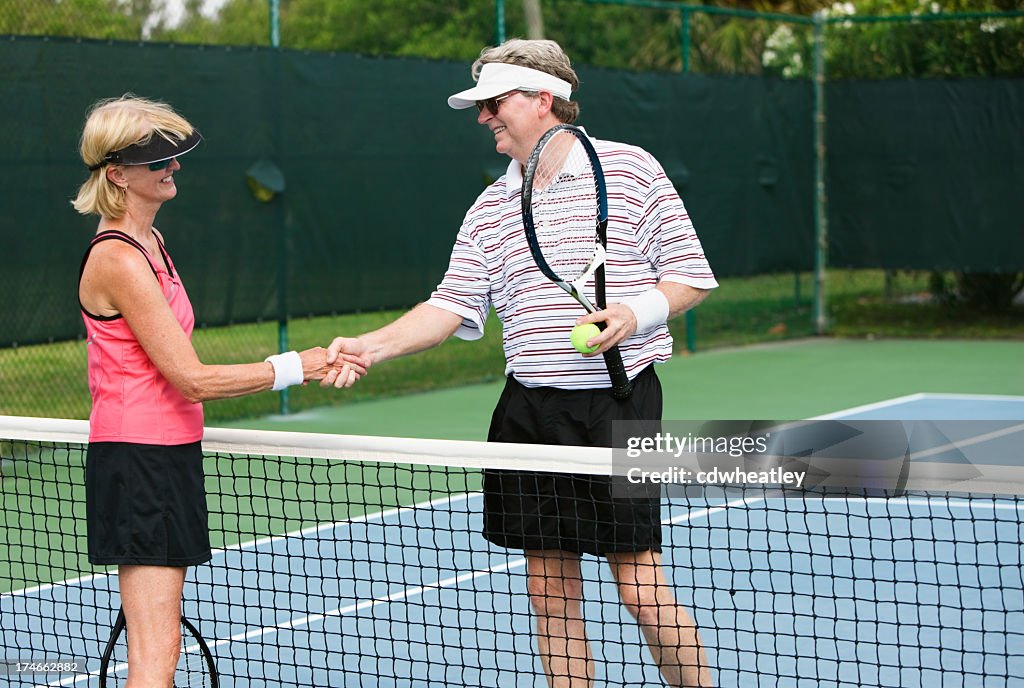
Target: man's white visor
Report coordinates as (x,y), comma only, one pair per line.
(497,78)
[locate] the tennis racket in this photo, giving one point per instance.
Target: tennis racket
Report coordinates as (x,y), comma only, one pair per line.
(195,664)
(565,212)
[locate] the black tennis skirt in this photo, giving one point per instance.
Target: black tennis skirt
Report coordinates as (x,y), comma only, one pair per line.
(146,504)
(584,514)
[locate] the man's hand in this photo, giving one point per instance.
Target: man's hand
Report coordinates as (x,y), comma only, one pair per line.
(350,361)
(620,322)
(316,366)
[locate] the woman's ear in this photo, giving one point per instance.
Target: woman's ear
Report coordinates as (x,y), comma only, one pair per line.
(115,175)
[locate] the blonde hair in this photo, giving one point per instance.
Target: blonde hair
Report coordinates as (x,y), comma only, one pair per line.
(542,55)
(113,124)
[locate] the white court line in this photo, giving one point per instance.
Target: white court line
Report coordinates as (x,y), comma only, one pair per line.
(968,442)
(845,413)
(413,591)
(920,396)
(314,618)
(830,416)
(930,503)
(396,511)
(450,499)
(1011,398)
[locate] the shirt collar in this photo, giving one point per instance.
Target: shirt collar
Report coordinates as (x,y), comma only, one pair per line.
(514,174)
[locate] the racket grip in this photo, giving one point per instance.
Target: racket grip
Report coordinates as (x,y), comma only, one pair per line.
(622,386)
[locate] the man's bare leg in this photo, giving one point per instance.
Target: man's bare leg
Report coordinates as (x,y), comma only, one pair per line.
(668,629)
(555,586)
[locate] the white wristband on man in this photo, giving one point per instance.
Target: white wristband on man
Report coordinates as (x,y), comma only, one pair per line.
(650,308)
(287,369)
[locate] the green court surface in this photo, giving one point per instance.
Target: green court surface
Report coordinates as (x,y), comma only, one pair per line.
(783,381)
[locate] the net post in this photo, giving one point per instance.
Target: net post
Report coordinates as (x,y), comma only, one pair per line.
(820,216)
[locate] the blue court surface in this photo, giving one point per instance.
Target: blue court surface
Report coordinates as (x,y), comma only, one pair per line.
(905,591)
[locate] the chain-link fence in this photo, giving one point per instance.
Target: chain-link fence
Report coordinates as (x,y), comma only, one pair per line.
(919,40)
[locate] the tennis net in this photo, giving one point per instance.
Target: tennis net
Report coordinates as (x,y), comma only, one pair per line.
(358,561)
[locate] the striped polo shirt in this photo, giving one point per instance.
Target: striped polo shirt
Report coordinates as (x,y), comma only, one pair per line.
(650,239)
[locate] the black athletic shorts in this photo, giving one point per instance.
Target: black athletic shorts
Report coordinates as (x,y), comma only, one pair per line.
(146,504)
(572,512)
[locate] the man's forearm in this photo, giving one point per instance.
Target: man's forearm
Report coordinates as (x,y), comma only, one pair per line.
(422,328)
(681,297)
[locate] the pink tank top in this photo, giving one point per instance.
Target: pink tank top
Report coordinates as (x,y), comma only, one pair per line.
(131,400)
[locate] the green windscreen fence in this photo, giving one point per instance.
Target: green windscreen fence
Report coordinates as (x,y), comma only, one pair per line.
(927,174)
(379,172)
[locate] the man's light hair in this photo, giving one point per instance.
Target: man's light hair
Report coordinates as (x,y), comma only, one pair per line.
(113,124)
(542,55)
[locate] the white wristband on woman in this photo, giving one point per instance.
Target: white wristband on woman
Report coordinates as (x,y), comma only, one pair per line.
(287,369)
(650,309)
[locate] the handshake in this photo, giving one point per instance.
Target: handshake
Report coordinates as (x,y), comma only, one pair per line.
(340,365)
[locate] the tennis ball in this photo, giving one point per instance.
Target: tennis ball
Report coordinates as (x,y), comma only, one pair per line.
(581,334)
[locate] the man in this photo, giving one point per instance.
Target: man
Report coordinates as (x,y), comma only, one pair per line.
(554,395)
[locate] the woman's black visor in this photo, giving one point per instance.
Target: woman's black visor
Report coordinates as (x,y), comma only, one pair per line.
(157,150)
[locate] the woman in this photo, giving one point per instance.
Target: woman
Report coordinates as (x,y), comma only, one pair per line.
(146,505)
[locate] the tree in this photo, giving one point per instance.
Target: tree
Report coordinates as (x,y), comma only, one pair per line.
(92,18)
(534,19)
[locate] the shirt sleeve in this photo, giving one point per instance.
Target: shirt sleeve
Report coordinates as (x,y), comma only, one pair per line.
(465,288)
(666,235)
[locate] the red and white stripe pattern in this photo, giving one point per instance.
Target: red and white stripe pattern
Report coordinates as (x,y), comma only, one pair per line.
(650,238)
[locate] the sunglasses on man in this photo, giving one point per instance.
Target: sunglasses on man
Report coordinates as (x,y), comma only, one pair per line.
(493,104)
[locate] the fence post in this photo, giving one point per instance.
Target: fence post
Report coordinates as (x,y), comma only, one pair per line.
(684,32)
(820,197)
(274,7)
(282,252)
(499,21)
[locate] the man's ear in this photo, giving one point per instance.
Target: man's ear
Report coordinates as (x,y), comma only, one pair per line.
(544,102)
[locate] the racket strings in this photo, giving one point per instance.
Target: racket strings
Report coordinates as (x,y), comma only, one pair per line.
(192,670)
(565,207)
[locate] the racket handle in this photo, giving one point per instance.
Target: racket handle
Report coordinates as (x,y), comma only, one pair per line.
(622,386)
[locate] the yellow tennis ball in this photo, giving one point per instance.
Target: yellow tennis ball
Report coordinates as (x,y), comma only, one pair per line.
(581,334)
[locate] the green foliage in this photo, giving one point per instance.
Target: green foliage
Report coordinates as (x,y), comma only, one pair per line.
(922,47)
(614,36)
(94,18)
(429,28)
(989,292)
(237,23)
